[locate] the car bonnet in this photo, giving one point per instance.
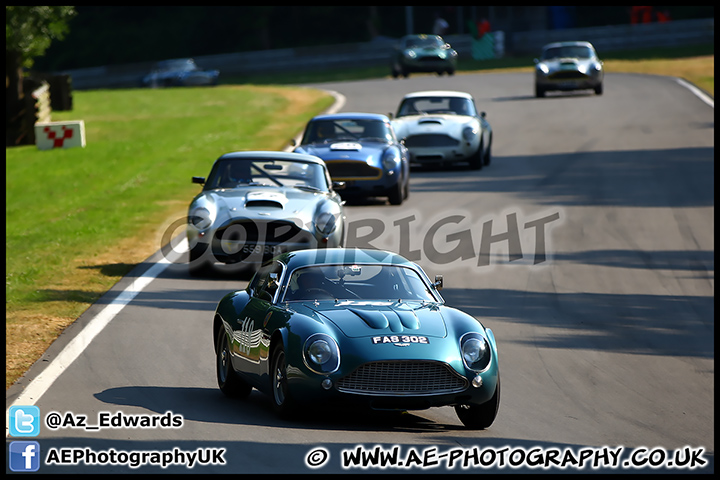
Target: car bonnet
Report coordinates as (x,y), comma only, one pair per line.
(267,201)
(367,318)
(345,150)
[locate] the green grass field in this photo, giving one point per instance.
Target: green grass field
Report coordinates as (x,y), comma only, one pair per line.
(78,220)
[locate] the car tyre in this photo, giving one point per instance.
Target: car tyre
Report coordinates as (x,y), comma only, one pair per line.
(198,264)
(480,417)
(229,382)
(539,91)
(283,403)
(396,194)
(599,89)
(476,161)
(488,154)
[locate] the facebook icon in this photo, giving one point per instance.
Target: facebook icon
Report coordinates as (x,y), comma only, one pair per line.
(24,456)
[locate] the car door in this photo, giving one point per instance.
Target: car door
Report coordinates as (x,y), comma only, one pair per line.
(248,338)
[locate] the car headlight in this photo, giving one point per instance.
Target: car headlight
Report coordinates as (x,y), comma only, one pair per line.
(469,133)
(475,351)
(391,159)
(200,218)
(321,353)
(409,54)
(325,223)
(542,68)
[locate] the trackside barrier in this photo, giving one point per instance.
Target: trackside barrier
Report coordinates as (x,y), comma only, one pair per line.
(378,52)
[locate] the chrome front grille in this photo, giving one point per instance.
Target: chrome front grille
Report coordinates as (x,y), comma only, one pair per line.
(432,140)
(403,377)
(567,75)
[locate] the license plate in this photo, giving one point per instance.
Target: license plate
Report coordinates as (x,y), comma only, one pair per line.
(262,250)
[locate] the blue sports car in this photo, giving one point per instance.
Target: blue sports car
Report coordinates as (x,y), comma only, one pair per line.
(361,150)
(360,327)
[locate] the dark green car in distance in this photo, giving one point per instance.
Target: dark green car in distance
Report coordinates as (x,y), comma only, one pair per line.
(423,53)
(354,327)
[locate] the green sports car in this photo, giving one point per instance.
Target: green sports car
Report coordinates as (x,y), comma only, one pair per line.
(359,327)
(423,53)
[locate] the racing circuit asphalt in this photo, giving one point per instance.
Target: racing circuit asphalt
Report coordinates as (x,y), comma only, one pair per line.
(606,341)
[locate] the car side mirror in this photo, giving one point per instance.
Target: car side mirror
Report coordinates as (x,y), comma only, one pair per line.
(438,282)
(390,115)
(338,185)
(200,180)
(293,143)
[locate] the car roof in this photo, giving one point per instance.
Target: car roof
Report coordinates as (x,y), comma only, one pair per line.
(568,44)
(272,155)
(352,115)
(439,93)
(334,256)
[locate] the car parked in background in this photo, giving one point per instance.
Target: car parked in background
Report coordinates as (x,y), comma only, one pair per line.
(181,72)
(362,151)
(568,66)
(356,327)
(443,127)
(422,53)
(255,205)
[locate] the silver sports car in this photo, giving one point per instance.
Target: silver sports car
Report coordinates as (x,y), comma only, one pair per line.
(443,127)
(255,205)
(568,66)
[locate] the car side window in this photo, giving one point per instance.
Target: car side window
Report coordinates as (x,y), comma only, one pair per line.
(267,281)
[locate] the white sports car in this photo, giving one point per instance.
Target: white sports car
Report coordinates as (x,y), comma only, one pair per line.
(443,127)
(568,66)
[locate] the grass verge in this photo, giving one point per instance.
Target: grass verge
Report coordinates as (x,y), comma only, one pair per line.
(78,220)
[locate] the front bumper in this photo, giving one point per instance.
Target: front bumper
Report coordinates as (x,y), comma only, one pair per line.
(436,147)
(568,80)
(361,178)
(428,64)
(396,385)
(254,241)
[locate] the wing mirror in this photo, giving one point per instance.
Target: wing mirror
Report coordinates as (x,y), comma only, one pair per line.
(438,282)
(338,185)
(200,180)
(293,143)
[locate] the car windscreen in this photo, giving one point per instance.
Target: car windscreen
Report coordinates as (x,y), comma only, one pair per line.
(357,282)
(233,173)
(347,129)
(567,52)
(423,42)
(436,105)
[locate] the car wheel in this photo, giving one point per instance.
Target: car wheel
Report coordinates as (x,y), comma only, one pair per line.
(451,72)
(476,161)
(480,417)
(228,381)
(283,403)
(539,91)
(599,89)
(396,194)
(488,153)
(198,264)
